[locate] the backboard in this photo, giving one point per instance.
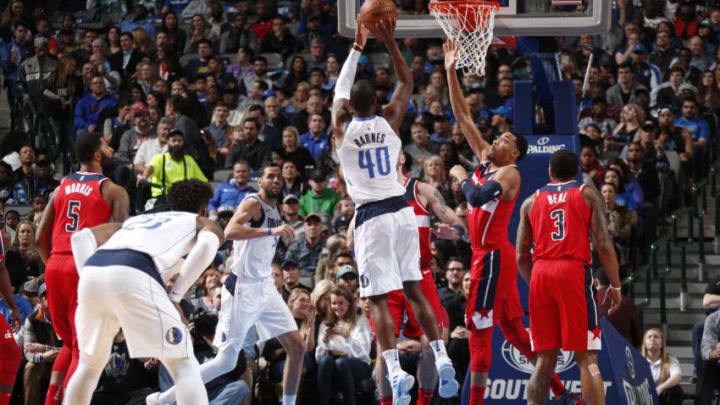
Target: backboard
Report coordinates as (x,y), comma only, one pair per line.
(515,18)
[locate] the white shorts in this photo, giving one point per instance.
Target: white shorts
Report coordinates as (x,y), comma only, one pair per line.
(247,303)
(387,246)
(117,296)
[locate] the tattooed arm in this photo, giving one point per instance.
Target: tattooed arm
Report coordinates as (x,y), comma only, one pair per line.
(432,199)
(524,240)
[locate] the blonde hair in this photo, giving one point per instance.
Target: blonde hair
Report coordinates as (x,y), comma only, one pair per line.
(438,161)
(322,288)
(294,295)
(16,241)
(350,317)
(293,130)
(141,39)
(664,356)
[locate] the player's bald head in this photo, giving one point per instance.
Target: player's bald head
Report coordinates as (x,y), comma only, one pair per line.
(362,97)
(564,164)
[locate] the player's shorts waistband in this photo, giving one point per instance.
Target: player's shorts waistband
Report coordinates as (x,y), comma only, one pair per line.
(377,208)
(230,282)
(125,257)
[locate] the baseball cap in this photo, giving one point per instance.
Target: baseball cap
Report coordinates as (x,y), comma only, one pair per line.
(41,42)
(268,93)
(30,288)
(290,197)
(312,215)
(639,48)
(592,124)
(345,269)
(288,263)
(688,87)
(648,126)
(707,24)
(317,175)
(176,132)
(503,110)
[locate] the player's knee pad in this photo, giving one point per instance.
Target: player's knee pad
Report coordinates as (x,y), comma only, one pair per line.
(518,336)
(480,350)
(10,358)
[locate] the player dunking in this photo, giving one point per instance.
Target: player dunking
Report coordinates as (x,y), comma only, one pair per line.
(425,200)
(385,230)
(10,353)
(122,285)
(491,194)
(563,311)
(83,199)
(249,296)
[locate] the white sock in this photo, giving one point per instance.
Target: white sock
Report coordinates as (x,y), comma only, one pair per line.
(289,399)
(391,360)
(438,348)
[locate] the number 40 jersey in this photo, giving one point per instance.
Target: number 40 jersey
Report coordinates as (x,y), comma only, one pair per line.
(78,204)
(369,155)
(560,220)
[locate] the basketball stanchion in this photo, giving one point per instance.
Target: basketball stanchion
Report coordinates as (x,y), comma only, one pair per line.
(471,24)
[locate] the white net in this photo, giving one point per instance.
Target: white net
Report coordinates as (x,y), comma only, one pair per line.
(471,24)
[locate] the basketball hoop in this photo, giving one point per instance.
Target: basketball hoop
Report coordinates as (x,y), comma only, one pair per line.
(471,24)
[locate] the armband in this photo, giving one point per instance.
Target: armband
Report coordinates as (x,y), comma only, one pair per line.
(459,229)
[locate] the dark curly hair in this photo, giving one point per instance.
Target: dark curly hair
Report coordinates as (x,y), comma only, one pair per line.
(189,195)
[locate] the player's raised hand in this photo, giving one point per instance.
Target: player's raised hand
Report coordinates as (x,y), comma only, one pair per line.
(285,231)
(450,48)
(445,231)
(385,30)
(361,34)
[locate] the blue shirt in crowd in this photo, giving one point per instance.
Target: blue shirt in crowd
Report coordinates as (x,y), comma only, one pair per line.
(314,146)
(228,195)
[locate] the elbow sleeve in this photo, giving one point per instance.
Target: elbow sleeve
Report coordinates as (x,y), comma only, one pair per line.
(478,196)
(83,246)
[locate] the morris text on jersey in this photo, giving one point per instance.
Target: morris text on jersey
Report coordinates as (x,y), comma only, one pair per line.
(81,188)
(372,137)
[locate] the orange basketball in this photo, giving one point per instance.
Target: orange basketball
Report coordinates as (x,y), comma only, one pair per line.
(374,11)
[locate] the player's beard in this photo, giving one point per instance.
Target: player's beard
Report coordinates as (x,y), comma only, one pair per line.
(271,195)
(108,166)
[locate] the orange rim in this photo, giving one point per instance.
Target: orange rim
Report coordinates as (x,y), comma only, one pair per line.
(460,5)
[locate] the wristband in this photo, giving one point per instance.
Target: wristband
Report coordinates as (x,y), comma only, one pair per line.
(358,45)
(269,231)
(41,358)
(459,229)
(616,288)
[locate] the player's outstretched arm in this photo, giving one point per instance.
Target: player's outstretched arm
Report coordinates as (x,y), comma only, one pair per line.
(43,236)
(460,108)
(523,241)
(505,185)
(248,210)
(341,113)
(395,111)
(208,240)
(602,242)
(452,227)
(6,292)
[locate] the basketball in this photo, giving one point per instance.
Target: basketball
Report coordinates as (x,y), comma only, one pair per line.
(374,11)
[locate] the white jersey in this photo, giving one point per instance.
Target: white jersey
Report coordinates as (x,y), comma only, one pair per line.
(165,236)
(369,154)
(253,257)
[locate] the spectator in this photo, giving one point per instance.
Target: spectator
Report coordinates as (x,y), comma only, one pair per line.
(620,219)
(206,301)
(338,255)
(700,132)
(139,20)
(709,370)
(14,52)
(292,180)
(319,199)
(591,166)
(668,94)
(229,195)
(127,59)
(345,212)
(317,54)
(7,184)
(238,36)
(625,319)
(27,160)
(279,40)
(41,347)
(347,276)
(88,109)
(275,124)
(664,367)
(343,347)
(153,146)
(251,149)
(501,120)
(625,91)
(316,139)
(132,139)
(675,138)
(42,183)
(421,148)
(12,219)
(598,115)
(259,72)
(436,175)
(631,117)
(219,127)
(663,53)
(642,166)
(646,73)
(22,258)
(197,67)
(198,33)
(291,278)
(34,72)
(172,166)
(306,252)
(700,59)
(176,36)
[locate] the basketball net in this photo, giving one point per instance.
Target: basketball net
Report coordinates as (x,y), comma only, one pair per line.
(471,24)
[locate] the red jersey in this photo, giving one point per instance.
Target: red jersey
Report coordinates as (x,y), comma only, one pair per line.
(422,215)
(560,220)
(78,204)
(488,224)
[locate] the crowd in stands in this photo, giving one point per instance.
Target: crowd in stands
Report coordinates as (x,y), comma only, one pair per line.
(199,89)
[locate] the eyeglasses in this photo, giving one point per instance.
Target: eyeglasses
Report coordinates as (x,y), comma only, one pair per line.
(456,269)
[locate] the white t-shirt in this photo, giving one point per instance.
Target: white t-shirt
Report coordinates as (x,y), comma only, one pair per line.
(656,366)
(147,150)
(356,346)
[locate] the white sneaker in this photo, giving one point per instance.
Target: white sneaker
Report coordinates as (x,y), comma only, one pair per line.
(401,383)
(447,386)
(153,399)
